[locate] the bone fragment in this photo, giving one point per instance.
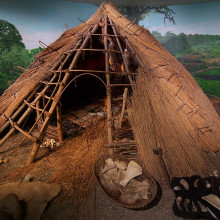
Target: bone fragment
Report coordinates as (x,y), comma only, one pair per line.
(178,201)
(194,209)
(202,207)
(133,171)
(177,188)
(185,184)
(186,203)
(196,183)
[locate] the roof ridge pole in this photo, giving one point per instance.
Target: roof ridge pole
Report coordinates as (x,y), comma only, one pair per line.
(62,85)
(108,92)
(122,53)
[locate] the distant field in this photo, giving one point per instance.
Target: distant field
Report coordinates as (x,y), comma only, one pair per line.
(210,61)
(210,87)
(210,49)
(215,72)
(212,74)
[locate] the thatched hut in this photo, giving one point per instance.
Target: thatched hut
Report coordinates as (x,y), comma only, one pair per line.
(173,122)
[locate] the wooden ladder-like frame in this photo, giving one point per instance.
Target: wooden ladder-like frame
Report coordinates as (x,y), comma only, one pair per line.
(60,81)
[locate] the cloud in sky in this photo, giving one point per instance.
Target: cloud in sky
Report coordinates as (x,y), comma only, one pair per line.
(44,19)
(31,40)
(203,28)
(190,19)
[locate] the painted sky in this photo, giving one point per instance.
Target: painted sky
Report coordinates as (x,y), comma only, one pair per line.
(44,19)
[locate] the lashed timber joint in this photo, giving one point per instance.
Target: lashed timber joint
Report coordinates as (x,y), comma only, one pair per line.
(15,125)
(56,98)
(38,109)
(65,71)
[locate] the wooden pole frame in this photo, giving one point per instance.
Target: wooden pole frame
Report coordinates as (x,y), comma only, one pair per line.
(19,110)
(29,109)
(123,106)
(61,86)
(122,53)
(59,123)
(108,92)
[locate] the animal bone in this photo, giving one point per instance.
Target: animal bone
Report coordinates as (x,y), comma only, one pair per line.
(178,201)
(186,203)
(202,207)
(120,176)
(215,173)
(121,165)
(177,188)
(207,184)
(196,183)
(133,171)
(49,143)
(194,209)
(185,184)
(213,200)
(109,164)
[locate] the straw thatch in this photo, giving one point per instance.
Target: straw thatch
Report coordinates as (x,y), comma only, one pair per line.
(70,165)
(168,110)
(166,127)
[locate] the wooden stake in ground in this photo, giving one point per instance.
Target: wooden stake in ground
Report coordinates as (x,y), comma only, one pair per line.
(59,123)
(109,104)
(56,99)
(123,106)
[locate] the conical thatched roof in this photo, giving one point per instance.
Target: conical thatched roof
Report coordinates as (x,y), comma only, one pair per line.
(168,107)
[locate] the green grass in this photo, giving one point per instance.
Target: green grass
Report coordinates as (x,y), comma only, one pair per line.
(210,49)
(210,87)
(215,72)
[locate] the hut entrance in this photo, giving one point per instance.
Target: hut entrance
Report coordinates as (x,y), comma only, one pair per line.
(101,64)
(82,92)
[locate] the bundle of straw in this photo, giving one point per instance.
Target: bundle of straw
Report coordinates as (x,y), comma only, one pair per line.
(159,122)
(71,166)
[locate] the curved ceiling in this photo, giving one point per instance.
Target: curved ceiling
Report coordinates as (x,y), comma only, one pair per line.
(146,2)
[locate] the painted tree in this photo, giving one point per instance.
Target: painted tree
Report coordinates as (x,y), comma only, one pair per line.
(138,13)
(9,36)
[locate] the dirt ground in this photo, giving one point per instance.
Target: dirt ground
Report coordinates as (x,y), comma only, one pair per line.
(65,206)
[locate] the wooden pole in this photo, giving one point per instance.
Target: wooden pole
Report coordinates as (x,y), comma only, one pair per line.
(26,113)
(163,166)
(123,106)
(59,123)
(38,107)
(109,104)
(132,50)
(36,146)
(122,53)
(19,110)
(98,50)
(95,71)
